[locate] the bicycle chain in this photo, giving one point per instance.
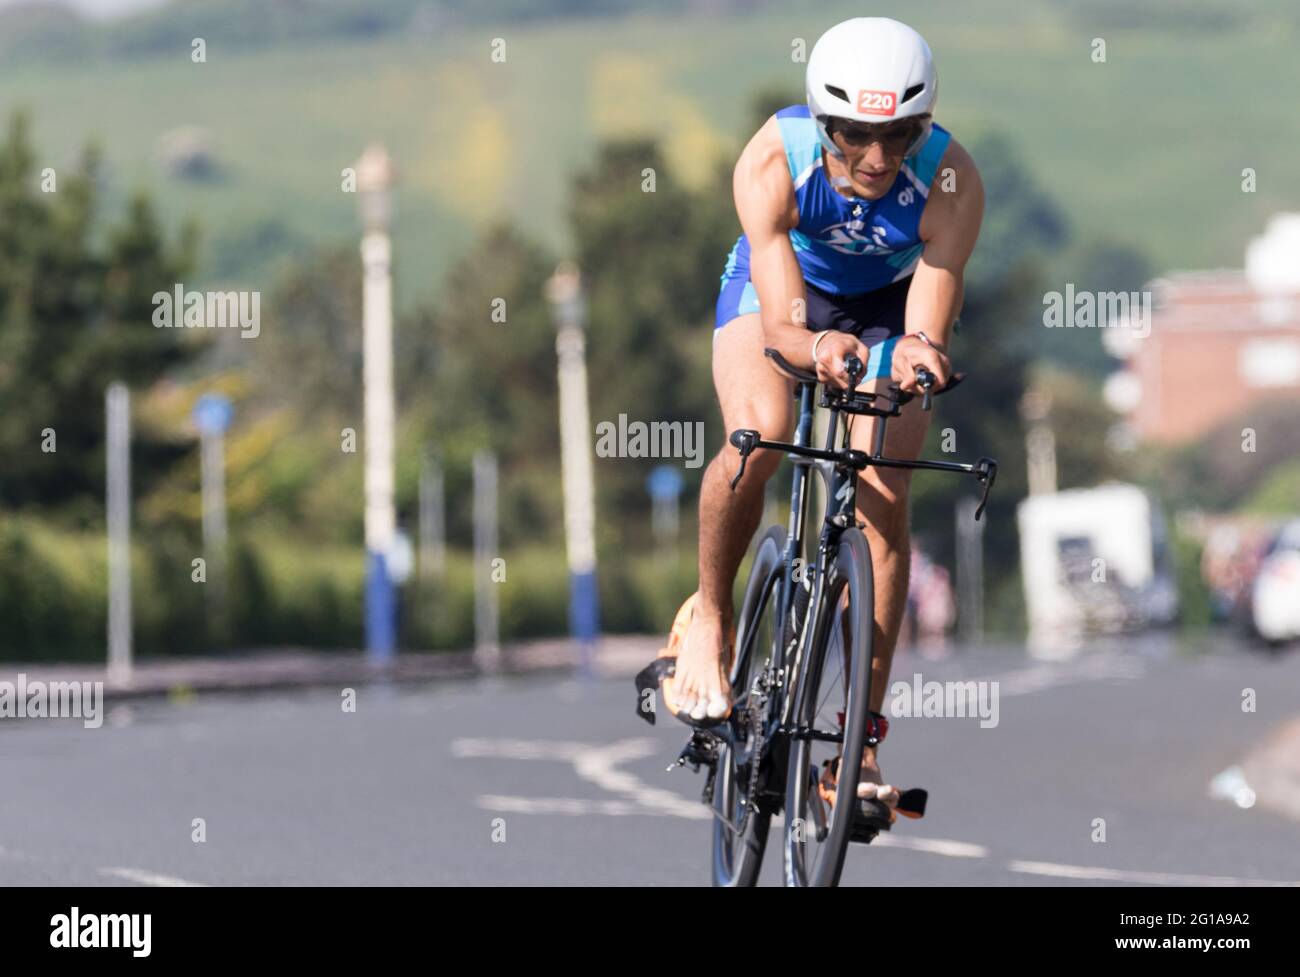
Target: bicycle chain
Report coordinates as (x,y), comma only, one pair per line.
(757,705)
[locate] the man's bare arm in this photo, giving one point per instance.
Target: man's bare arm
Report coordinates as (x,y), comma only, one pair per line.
(765,203)
(950,227)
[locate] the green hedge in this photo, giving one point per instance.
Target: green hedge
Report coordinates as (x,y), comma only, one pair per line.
(283,592)
(51,593)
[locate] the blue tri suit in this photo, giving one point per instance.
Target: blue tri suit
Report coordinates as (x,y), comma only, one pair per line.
(857,256)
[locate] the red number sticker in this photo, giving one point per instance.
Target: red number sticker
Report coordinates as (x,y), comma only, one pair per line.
(875,103)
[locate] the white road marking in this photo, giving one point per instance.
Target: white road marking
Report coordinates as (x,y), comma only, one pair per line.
(137,875)
(518,749)
(1122,875)
(598,764)
(563,805)
(935,846)
(595,763)
(140,876)
(600,767)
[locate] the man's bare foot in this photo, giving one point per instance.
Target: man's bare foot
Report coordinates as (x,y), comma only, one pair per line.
(871,785)
(699,684)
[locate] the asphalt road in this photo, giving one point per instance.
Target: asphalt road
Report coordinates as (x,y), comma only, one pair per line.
(554,781)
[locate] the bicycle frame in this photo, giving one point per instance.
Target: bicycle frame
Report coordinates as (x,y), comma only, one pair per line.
(838,469)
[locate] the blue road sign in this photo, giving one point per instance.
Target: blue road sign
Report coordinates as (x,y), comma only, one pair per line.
(665,483)
(213,414)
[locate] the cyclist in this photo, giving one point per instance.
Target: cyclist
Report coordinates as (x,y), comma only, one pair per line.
(859,215)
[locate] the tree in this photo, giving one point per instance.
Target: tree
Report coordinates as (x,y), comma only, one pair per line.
(74,315)
(651,253)
(996,339)
(309,355)
(477,371)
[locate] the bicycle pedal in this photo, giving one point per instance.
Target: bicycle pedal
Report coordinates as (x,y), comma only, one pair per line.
(869,819)
(911,803)
(862,835)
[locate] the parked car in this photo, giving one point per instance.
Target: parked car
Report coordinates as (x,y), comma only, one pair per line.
(1275,594)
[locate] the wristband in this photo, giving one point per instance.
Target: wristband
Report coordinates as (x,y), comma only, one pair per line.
(926,339)
(817,339)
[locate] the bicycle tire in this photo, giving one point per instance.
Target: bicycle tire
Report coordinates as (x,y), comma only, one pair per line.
(852,574)
(738,856)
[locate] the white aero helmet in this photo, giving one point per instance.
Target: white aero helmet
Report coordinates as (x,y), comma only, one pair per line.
(871,69)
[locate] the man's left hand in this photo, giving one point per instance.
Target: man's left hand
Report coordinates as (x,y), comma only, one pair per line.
(911,352)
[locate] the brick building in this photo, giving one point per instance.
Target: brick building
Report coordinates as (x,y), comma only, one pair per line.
(1219,341)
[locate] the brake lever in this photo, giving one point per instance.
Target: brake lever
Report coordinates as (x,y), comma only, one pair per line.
(907,398)
(986,470)
(925,380)
(854,368)
(743,441)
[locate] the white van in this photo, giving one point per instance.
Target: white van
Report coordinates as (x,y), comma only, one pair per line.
(1095,560)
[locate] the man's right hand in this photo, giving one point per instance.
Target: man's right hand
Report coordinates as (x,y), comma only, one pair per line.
(831,351)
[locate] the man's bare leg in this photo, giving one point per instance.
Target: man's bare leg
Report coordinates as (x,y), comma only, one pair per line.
(752,395)
(882,503)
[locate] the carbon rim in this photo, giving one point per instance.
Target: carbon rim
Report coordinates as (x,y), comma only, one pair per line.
(740,832)
(833,698)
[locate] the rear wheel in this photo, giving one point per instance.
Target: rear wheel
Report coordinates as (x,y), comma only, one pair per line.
(832,698)
(741,823)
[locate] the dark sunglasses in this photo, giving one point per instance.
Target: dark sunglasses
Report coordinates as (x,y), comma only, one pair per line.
(894,137)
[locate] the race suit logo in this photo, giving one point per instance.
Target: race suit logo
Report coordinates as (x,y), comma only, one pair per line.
(849,237)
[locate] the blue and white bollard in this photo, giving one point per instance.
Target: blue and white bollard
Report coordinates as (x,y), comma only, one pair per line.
(381,609)
(564,291)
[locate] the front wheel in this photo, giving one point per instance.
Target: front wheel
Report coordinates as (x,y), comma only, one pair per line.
(832,699)
(739,826)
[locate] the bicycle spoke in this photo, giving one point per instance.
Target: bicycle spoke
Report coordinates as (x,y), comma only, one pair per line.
(821,706)
(728,824)
(839,672)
